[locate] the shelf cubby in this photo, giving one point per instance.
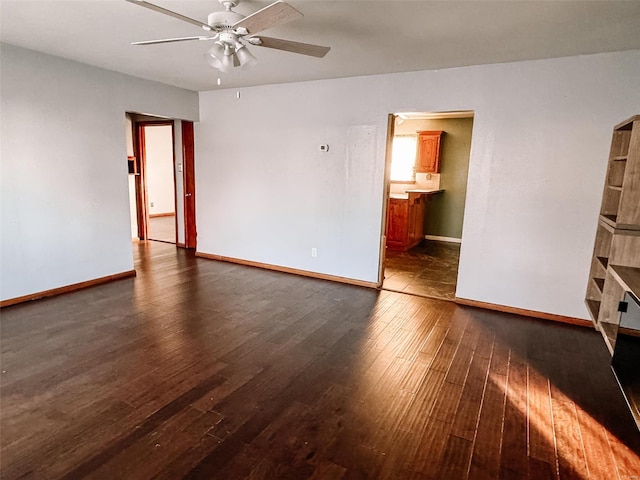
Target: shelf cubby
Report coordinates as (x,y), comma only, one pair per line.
(604,261)
(599,283)
(615,174)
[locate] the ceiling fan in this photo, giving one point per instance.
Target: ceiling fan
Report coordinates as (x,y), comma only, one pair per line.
(231,32)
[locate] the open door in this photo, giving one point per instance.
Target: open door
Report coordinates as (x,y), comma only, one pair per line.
(190,232)
(141,183)
(391,124)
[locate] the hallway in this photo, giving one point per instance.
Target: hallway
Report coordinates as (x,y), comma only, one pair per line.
(163,228)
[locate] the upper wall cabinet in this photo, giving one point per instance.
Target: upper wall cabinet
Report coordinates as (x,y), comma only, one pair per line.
(428,160)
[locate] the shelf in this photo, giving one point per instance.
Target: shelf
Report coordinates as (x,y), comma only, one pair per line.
(593,306)
(617,250)
(604,261)
(610,219)
(609,332)
(627,124)
(599,283)
(628,277)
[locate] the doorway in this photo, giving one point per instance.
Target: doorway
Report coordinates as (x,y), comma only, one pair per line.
(157,140)
(161,179)
(428,162)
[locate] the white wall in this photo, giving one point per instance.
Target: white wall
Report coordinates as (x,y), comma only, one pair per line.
(64,186)
(159,168)
(540,143)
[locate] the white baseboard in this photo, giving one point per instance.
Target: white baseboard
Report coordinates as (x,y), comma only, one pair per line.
(443,239)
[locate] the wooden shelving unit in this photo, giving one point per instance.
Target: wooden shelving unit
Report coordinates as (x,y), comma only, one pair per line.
(618,235)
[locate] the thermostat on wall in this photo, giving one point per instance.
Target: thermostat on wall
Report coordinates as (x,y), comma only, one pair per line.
(324,148)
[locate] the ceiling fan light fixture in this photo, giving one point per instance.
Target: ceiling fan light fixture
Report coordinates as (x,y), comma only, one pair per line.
(245,57)
(212,60)
(217,51)
(227,60)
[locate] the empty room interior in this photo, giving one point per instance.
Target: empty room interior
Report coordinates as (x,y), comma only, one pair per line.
(385,240)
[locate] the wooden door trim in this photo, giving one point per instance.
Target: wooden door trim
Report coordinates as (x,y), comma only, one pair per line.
(189,185)
(142,213)
(391,125)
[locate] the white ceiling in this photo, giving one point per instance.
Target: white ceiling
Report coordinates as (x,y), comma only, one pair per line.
(366,37)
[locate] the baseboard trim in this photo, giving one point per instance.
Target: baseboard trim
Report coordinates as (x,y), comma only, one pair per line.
(180,245)
(67,288)
(443,239)
(294,271)
(168,214)
(527,313)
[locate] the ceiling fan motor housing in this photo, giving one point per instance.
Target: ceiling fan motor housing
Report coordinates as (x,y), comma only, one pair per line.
(223,20)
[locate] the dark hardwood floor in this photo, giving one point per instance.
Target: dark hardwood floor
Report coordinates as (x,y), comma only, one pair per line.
(208,370)
(429,270)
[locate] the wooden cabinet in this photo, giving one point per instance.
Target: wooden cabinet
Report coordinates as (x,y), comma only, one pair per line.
(428,156)
(397,222)
(405,221)
(618,236)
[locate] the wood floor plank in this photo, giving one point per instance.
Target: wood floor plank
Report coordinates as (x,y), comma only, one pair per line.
(571,458)
(487,444)
(513,459)
(542,448)
(455,459)
(203,369)
(465,420)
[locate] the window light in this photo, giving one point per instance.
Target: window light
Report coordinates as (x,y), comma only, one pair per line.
(403,158)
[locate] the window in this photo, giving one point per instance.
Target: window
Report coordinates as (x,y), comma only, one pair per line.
(403,158)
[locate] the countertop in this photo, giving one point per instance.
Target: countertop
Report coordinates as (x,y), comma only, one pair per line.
(405,195)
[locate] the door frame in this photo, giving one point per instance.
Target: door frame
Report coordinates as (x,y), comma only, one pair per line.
(391,125)
(189,185)
(142,194)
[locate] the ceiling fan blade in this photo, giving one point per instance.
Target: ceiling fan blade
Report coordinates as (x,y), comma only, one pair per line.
(295,47)
(169,40)
(270,16)
(156,8)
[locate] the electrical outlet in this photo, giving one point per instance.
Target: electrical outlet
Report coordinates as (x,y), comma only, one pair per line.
(151,204)
(314,252)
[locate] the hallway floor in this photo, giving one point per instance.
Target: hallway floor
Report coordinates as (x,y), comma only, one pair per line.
(163,229)
(428,270)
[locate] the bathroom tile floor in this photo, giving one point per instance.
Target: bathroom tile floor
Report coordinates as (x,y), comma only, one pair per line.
(428,270)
